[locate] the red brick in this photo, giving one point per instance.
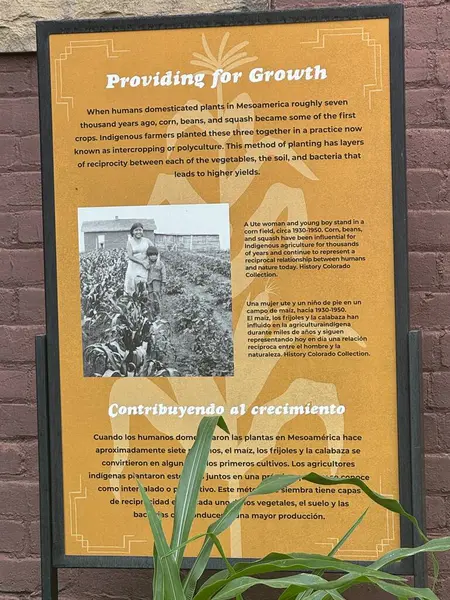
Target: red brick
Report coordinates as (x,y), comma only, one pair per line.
(17,420)
(15,82)
(419,65)
(294,4)
(428,148)
(21,266)
(10,459)
(33,74)
(440,391)
(437,473)
(10,596)
(444,561)
(18,343)
(444,431)
(19,499)
(8,150)
(445,101)
(431,350)
(436,516)
(443,587)
(444,269)
(29,150)
(30,227)
(10,63)
(19,115)
(8,306)
(422,106)
(130,587)
(19,575)
(445,349)
(20,189)
(431,435)
(421,26)
(8,226)
(446,190)
(29,449)
(12,536)
(31,382)
(31,305)
(423,270)
(430,309)
(35,536)
(443,67)
(429,230)
(426,389)
(16,62)
(426,189)
(422,2)
(13,385)
(444,26)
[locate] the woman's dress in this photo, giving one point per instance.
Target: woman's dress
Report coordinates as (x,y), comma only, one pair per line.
(136,272)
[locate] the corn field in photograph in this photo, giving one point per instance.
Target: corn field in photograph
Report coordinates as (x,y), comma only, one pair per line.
(192,336)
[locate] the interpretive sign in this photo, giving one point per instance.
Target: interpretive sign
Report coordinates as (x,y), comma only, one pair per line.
(225,235)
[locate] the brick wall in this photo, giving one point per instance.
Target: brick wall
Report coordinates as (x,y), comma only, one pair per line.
(22,314)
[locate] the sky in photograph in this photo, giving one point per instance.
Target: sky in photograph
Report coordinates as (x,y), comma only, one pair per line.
(180,218)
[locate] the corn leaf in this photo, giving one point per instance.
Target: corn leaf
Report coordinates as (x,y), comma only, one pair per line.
(303,581)
(333,551)
(440,545)
(292,562)
(190,481)
(348,534)
(332,594)
(172,582)
(407,591)
(269,485)
(313,582)
(389,503)
(158,576)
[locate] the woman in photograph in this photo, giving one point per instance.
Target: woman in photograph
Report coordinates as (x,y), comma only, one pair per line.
(137,254)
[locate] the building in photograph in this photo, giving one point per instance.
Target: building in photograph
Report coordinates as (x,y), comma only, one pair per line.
(195,241)
(112,233)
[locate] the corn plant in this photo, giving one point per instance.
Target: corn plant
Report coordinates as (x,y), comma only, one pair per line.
(235,580)
(122,337)
(135,344)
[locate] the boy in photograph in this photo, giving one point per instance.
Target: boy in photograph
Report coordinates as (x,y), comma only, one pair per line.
(156,279)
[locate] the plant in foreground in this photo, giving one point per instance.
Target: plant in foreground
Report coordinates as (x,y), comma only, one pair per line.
(236,579)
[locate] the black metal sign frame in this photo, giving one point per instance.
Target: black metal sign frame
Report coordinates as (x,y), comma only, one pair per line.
(407,343)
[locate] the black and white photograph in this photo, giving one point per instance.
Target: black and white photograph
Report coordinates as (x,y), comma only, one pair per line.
(155,285)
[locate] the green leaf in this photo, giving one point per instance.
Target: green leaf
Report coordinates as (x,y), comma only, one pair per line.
(334,595)
(267,486)
(343,539)
(158,576)
(294,593)
(169,568)
(302,581)
(313,582)
(273,484)
(293,562)
(339,545)
(389,503)
(310,562)
(190,481)
(319,595)
(440,545)
(407,592)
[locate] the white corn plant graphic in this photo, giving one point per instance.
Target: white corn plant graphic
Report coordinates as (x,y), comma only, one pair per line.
(247,384)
